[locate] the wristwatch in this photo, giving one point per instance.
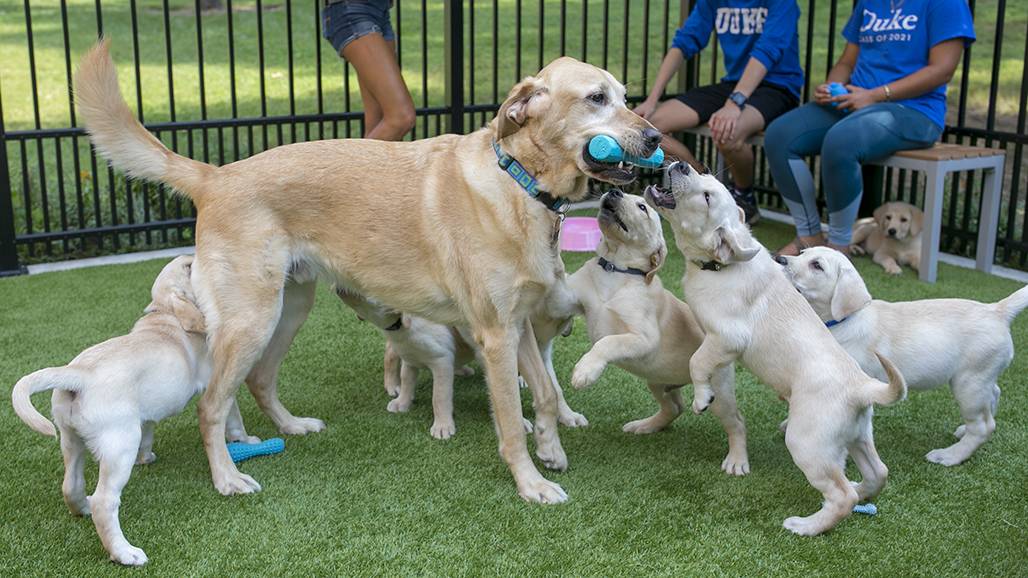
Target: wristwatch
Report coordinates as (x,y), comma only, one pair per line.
(739,99)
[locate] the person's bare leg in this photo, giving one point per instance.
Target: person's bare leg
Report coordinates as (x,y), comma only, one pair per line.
(672,116)
(737,153)
(379,75)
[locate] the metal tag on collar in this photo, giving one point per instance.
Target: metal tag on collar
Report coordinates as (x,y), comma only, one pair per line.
(608,267)
(710,266)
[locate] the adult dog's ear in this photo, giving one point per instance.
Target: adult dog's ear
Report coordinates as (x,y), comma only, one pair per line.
(879,214)
(525,100)
(850,294)
(916,221)
(188,314)
(657,259)
(729,248)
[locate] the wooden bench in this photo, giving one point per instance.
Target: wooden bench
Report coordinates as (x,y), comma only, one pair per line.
(936,163)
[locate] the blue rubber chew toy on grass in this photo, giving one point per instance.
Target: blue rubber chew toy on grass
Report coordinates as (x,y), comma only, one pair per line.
(866,509)
(837,89)
(239,451)
(607,150)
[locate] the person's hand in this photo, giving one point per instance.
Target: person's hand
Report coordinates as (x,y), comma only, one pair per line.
(722,123)
(646,108)
(857,98)
(822,94)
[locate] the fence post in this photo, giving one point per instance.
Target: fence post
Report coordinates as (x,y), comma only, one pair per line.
(9,264)
(454,63)
(686,72)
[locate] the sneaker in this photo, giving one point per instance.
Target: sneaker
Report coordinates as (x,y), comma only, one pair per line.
(747,201)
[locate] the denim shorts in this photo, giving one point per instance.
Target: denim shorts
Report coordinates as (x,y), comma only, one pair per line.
(344,22)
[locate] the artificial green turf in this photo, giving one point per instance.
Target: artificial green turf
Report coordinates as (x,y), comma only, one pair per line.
(374,494)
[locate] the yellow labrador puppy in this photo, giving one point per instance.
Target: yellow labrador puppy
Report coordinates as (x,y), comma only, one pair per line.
(110,396)
(892,236)
(641,327)
(933,342)
(458,229)
(750,312)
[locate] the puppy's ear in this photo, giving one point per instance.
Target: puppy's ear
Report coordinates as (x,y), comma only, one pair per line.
(850,294)
(879,214)
(916,221)
(729,248)
(188,314)
(525,100)
(656,262)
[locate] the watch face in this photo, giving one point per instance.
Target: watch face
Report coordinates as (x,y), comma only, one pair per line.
(738,99)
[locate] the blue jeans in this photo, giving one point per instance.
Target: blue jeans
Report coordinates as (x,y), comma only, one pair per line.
(344,22)
(844,141)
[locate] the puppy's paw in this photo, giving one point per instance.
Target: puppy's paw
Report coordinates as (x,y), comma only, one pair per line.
(242,438)
(784,425)
(736,465)
(392,389)
(78,506)
(802,526)
(701,399)
(893,269)
(644,426)
(236,483)
(572,419)
(302,426)
(443,430)
(857,250)
(129,555)
(542,491)
(587,371)
(399,406)
(552,456)
(146,458)
(527,425)
(959,432)
(466,371)
(522,384)
(945,457)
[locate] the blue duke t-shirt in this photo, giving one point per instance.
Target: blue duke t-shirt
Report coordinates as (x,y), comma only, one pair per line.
(895,37)
(761,29)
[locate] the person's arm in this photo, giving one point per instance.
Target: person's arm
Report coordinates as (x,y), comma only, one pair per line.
(942,63)
(690,39)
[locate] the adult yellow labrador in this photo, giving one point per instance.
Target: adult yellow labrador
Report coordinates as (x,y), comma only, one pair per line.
(434,228)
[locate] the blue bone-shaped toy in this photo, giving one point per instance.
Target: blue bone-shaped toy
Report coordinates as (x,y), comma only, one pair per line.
(607,150)
(240,451)
(866,509)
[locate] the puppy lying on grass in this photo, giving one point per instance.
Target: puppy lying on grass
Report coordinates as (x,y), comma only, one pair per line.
(414,343)
(110,396)
(750,312)
(892,236)
(933,341)
(641,327)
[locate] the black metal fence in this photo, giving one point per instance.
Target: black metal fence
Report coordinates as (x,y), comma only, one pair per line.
(225,84)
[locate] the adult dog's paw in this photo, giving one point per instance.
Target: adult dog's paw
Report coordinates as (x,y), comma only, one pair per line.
(302,426)
(443,430)
(399,406)
(129,555)
(587,371)
(572,419)
(146,458)
(542,491)
(945,457)
(644,426)
(236,483)
(736,465)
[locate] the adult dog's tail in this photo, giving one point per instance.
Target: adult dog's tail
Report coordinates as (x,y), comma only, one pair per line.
(880,393)
(120,138)
(66,378)
(1010,307)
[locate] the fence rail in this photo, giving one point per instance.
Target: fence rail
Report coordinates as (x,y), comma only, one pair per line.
(225,84)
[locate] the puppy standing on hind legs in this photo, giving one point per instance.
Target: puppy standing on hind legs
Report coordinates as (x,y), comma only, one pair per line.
(745,305)
(110,396)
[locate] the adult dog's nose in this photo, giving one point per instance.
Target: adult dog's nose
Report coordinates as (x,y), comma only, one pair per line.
(781,260)
(652,138)
(892,232)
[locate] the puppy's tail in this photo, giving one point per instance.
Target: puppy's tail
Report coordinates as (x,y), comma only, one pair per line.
(886,393)
(66,378)
(120,138)
(1010,307)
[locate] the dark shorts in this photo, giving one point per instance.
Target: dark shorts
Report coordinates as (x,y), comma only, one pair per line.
(770,100)
(344,22)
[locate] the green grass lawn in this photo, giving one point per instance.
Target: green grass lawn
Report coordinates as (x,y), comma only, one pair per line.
(374,494)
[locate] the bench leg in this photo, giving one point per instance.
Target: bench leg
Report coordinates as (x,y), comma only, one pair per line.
(935,189)
(989,220)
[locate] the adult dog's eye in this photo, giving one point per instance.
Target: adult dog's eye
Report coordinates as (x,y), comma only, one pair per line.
(642,207)
(598,97)
(817,265)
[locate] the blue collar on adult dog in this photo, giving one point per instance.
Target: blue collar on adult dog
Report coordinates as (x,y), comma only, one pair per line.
(521,176)
(832,323)
(612,268)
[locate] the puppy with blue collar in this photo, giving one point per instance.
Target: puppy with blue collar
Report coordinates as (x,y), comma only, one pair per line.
(637,325)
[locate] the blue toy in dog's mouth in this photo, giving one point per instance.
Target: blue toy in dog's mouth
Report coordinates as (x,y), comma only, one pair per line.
(607,150)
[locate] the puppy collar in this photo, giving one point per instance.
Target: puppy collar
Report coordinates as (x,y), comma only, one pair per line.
(395,326)
(832,322)
(709,265)
(527,181)
(612,268)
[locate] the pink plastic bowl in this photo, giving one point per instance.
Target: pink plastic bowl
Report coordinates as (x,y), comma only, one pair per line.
(580,234)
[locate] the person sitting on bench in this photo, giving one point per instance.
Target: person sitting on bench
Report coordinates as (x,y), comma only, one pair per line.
(899,56)
(763,80)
